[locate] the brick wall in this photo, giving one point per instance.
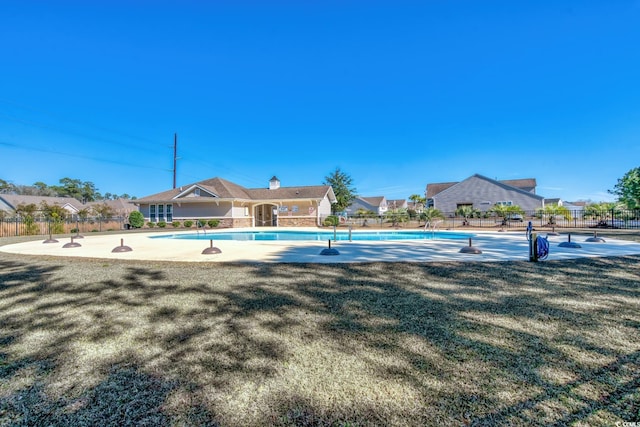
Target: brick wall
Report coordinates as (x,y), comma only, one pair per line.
(284,221)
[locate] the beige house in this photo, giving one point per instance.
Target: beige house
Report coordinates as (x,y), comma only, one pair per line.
(10,202)
(237,206)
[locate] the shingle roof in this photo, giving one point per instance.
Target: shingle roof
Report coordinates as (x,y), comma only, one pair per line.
(283,193)
(229,190)
(397,203)
(13,200)
(526,184)
(435,188)
(118,205)
(373,201)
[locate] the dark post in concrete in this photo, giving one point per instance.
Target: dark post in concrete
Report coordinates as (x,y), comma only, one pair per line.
(569,244)
(211,249)
(329,250)
(595,238)
(122,247)
(72,244)
(470,249)
(50,240)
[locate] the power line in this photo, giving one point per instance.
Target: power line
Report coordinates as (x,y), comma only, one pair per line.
(77,134)
(59,117)
(79,156)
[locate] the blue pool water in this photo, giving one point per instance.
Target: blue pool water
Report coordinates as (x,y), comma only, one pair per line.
(288,235)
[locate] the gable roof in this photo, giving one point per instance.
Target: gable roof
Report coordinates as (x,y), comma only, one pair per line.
(11,201)
(527,184)
(499,184)
(373,201)
(433,189)
(291,193)
(397,203)
(223,189)
(120,206)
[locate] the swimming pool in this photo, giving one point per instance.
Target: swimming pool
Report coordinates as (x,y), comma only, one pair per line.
(289,235)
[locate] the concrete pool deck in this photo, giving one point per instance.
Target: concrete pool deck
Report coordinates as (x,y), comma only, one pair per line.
(495,246)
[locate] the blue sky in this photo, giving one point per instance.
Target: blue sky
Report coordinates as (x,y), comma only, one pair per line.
(397,94)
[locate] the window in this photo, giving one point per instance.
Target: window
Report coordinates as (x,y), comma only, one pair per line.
(294,208)
(504,203)
(169,213)
(152,213)
(160,212)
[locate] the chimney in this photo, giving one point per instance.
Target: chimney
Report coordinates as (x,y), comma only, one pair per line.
(274,183)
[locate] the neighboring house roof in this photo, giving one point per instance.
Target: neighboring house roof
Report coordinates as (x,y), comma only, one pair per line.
(9,202)
(433,189)
(500,184)
(397,204)
(374,204)
(526,184)
(120,206)
(223,189)
(373,201)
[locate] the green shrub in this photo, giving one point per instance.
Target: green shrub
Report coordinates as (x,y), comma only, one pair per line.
(136,219)
(162,224)
(188,223)
(151,224)
(331,220)
(57,227)
(213,223)
(175,224)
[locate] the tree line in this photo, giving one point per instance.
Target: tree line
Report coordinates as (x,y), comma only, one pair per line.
(83,191)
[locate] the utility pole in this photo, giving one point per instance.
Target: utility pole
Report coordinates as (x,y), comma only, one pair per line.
(175,157)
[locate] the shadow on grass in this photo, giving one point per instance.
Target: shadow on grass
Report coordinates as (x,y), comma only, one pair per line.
(458,343)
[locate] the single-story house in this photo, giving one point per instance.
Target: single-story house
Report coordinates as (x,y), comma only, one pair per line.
(236,206)
(377,205)
(483,193)
(120,207)
(10,202)
(397,204)
(574,207)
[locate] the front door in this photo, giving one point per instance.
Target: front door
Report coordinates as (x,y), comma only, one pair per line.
(266,216)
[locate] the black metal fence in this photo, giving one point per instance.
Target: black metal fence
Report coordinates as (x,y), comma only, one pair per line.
(615,219)
(24,227)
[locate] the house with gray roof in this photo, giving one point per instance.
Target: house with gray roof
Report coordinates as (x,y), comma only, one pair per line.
(120,207)
(9,202)
(236,206)
(397,204)
(483,193)
(377,205)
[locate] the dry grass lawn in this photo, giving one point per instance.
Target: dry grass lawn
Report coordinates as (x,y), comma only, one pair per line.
(91,342)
